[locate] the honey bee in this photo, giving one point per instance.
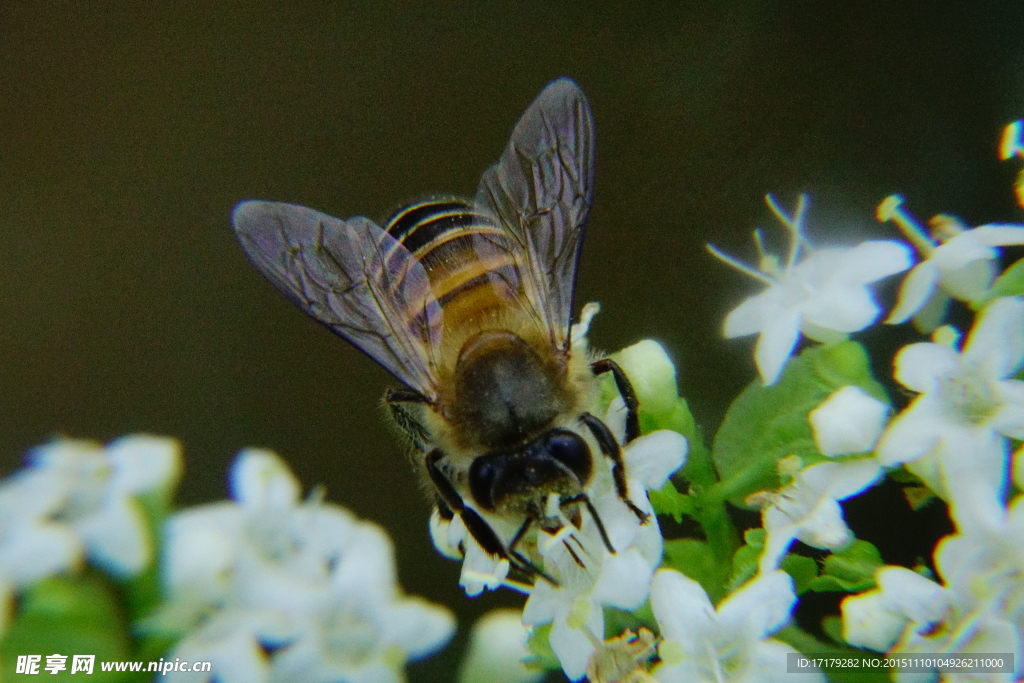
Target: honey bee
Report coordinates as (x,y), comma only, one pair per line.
(468,305)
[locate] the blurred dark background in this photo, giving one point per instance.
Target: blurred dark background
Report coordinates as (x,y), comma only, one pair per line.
(129,130)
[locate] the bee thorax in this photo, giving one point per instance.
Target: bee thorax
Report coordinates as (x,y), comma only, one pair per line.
(505,391)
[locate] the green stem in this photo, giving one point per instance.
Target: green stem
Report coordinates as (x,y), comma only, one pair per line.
(710,512)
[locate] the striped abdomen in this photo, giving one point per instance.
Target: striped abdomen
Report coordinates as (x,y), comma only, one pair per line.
(470,262)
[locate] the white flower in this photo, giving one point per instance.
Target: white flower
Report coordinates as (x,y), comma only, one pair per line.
(808,509)
(953,435)
(100,489)
(824,296)
(33,544)
(497,648)
(848,421)
(730,644)
(958,263)
(282,589)
(619,580)
(978,608)
(877,618)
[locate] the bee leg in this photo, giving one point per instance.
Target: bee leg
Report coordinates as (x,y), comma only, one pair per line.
(611,449)
(585,499)
(625,388)
(394,398)
(524,562)
(478,527)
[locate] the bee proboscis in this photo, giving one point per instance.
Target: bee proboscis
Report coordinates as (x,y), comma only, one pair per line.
(468,304)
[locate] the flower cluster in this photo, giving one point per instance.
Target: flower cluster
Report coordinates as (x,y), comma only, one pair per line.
(268,587)
(952,441)
(77,499)
(302,580)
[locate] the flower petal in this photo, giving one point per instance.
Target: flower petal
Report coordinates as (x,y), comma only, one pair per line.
(572,646)
(914,292)
(682,608)
(749,317)
(144,463)
(261,478)
(841,308)
(999,235)
(997,339)
(497,648)
(962,250)
(850,477)
(776,343)
(760,607)
(37,551)
(117,537)
(651,373)
(848,421)
(1010,418)
(974,467)
(919,366)
(912,433)
(873,260)
(929,318)
(868,622)
(419,627)
(911,594)
(971,281)
(654,457)
(624,581)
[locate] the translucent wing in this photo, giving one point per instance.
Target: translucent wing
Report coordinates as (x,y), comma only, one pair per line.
(540,191)
(351,276)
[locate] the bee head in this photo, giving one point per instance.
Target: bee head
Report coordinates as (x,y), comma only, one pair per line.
(559,460)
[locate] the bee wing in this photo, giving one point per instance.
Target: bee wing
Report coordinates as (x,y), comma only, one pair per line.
(351,276)
(540,192)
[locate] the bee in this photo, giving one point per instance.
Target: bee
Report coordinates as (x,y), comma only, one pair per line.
(468,305)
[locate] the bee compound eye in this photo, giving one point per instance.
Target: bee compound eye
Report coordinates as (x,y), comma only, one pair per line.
(483,473)
(572,451)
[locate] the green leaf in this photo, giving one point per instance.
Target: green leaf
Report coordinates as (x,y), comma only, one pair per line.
(765,424)
(542,657)
(616,620)
(78,615)
(668,501)
(803,570)
(1010,283)
(851,570)
(696,559)
(678,419)
(744,566)
(832,625)
(755,536)
(143,592)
